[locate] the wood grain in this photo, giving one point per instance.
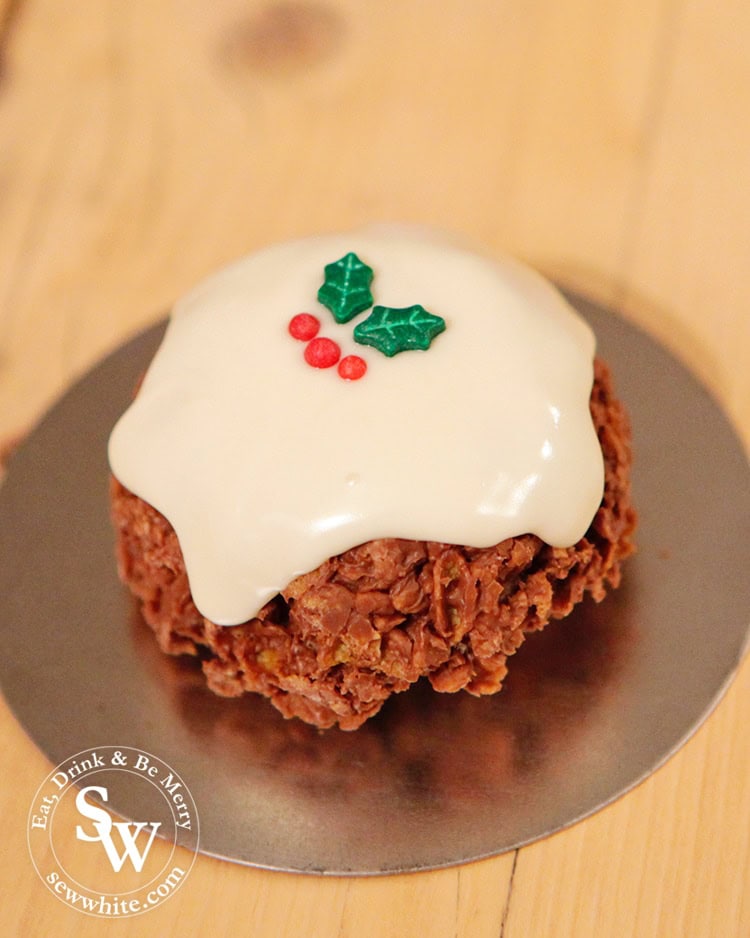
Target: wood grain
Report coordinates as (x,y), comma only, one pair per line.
(145,143)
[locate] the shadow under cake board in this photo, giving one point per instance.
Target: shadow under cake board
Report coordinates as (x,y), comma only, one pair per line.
(591,706)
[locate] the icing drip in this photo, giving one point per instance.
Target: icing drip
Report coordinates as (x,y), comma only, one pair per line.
(265,466)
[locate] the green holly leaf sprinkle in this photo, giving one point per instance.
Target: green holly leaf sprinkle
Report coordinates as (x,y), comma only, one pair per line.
(392,330)
(346,290)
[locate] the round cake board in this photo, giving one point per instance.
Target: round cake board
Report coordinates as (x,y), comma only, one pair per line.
(591,707)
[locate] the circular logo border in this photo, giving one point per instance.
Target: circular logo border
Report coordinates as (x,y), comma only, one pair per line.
(71,773)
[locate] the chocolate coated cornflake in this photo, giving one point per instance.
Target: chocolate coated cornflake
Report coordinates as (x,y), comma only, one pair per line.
(370,622)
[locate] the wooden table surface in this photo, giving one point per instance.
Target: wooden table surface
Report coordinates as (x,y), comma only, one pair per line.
(145,142)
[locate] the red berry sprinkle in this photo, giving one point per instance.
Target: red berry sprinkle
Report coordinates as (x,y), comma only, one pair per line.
(304,326)
(352,367)
(322,353)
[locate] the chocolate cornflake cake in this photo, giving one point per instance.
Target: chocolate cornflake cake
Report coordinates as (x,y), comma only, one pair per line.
(320,467)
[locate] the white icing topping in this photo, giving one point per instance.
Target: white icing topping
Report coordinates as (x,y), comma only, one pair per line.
(266,466)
